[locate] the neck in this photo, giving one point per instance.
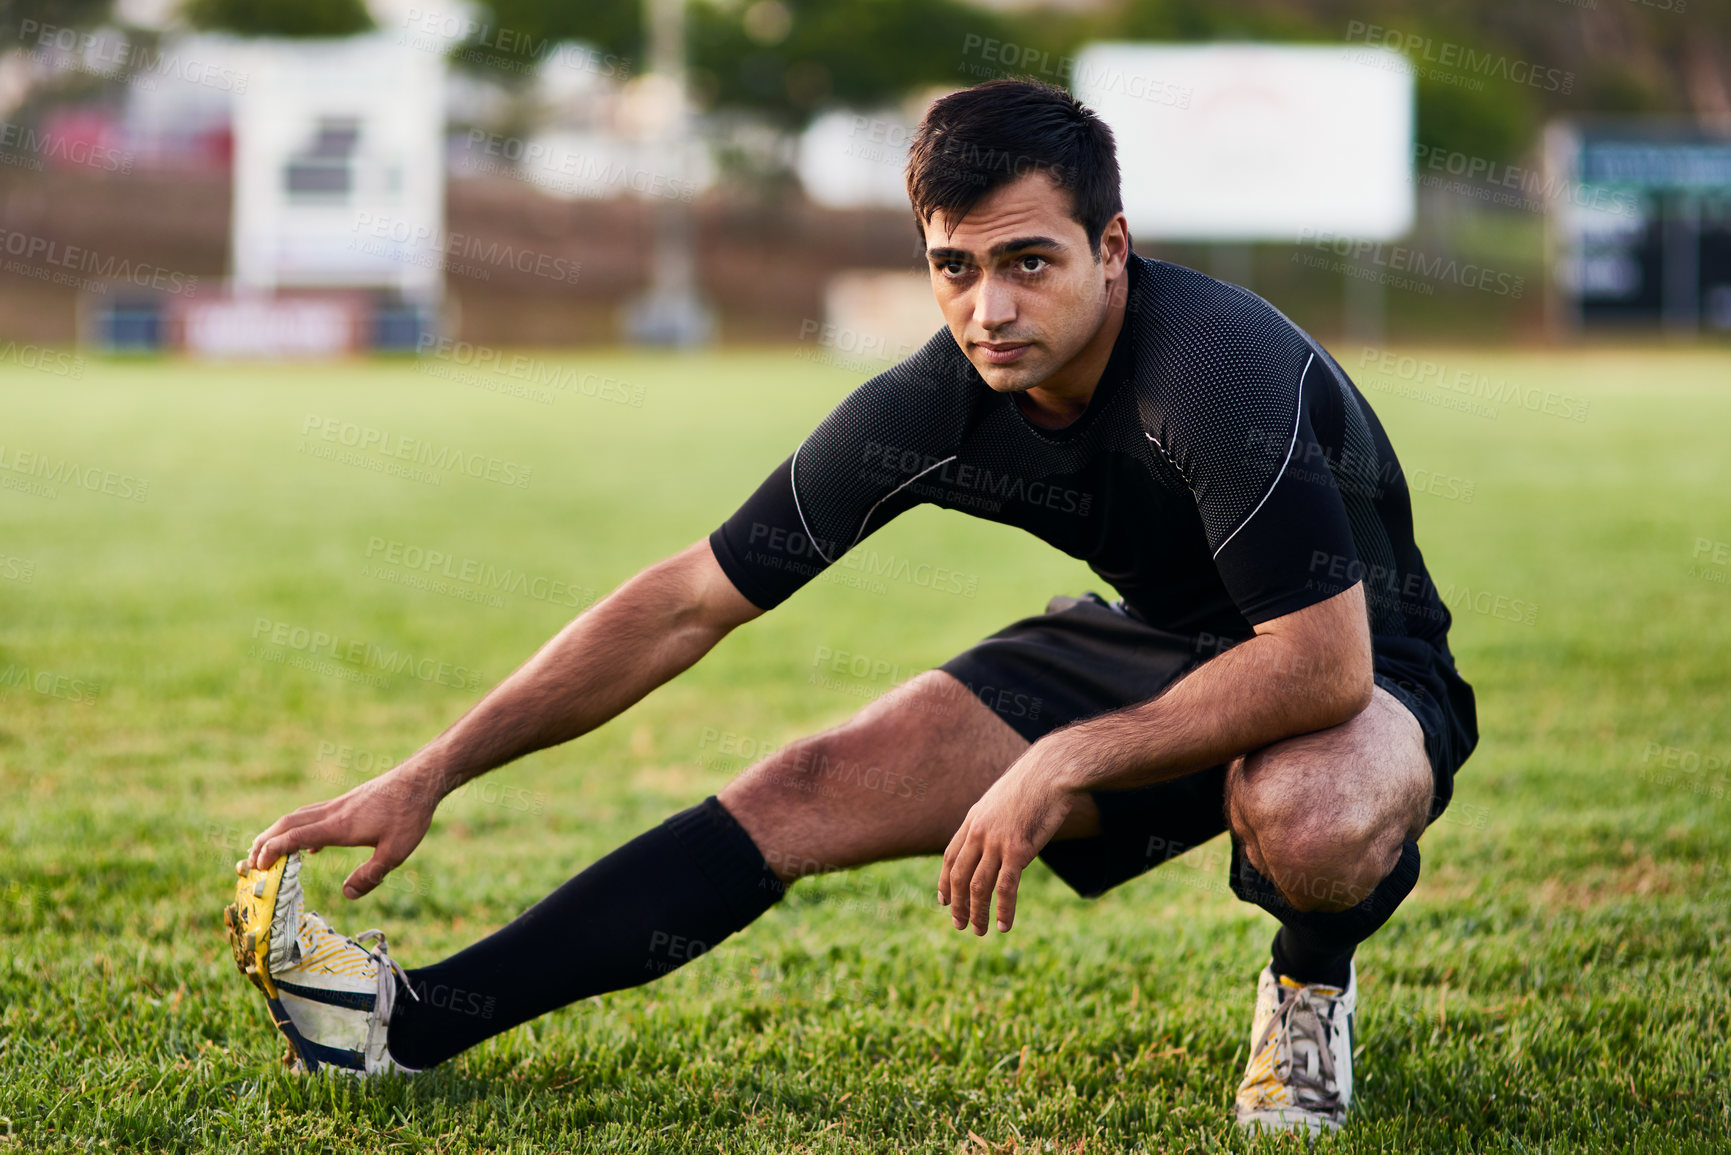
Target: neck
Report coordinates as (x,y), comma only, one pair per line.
(1063,397)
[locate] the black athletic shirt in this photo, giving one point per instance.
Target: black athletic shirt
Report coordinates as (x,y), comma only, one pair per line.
(1225,472)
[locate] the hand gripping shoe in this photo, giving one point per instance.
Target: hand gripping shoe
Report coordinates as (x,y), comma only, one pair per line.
(330,996)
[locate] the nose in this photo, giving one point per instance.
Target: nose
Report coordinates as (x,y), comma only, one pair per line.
(995,306)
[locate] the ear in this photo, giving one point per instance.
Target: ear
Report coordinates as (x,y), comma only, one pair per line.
(1115,245)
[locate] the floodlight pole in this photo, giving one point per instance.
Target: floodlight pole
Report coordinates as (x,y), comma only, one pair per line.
(671,313)
(1365,310)
(1680,263)
(1233,262)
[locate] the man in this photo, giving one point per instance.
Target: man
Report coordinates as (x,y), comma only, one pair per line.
(1278,666)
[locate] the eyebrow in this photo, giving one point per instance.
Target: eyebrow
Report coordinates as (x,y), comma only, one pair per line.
(1002,248)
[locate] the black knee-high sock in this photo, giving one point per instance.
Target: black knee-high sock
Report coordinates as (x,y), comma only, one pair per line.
(1316,946)
(643,911)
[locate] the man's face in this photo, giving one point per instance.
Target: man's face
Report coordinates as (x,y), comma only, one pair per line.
(1020,288)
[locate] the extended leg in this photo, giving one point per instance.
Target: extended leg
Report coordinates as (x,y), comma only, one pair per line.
(895,780)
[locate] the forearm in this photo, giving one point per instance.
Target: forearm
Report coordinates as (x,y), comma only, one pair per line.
(645,633)
(1265,689)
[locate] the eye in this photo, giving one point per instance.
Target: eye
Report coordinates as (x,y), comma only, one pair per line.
(1030,264)
(952,268)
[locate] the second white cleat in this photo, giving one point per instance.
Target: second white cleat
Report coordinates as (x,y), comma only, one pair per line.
(1299,1076)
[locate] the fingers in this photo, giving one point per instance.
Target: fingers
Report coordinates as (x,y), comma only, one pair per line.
(1008,879)
(309,837)
(976,867)
(950,852)
(369,874)
(980,892)
(257,858)
(961,881)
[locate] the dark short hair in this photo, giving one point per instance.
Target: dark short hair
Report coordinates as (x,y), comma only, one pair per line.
(975,141)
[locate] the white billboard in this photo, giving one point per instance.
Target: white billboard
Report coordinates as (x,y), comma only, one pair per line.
(1253,142)
(853,160)
(329,135)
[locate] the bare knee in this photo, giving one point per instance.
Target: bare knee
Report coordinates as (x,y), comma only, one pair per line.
(895,780)
(782,795)
(1327,869)
(1321,857)
(1324,815)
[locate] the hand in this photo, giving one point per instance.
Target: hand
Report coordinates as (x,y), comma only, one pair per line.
(1005,829)
(391,814)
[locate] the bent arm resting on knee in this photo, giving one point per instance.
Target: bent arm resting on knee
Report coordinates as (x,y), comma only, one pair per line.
(649,630)
(1302,672)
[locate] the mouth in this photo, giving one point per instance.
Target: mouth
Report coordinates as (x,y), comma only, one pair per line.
(1003,352)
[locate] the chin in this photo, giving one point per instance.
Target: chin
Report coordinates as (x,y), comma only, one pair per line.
(1011,378)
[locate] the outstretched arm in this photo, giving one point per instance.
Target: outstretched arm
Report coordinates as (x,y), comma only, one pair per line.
(645,633)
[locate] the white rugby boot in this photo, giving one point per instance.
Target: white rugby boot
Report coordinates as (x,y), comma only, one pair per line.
(330,996)
(1300,1070)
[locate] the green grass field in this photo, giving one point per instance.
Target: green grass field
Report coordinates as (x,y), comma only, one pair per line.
(1560,981)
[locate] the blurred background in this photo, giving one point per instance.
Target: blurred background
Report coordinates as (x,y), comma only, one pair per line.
(346,353)
(273,178)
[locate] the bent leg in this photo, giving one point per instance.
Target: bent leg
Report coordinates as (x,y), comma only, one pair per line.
(1324,815)
(1325,829)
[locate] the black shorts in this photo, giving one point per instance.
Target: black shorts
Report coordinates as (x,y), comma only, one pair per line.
(1084,657)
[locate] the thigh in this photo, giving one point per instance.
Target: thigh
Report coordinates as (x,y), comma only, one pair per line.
(895,780)
(1366,783)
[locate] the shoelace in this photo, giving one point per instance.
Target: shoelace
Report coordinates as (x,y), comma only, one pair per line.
(1300,1026)
(388,966)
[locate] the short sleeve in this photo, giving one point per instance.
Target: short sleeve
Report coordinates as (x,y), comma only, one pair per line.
(1269,504)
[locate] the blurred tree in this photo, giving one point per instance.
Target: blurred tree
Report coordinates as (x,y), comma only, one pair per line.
(1187,20)
(781,58)
(296,18)
(614,26)
(15,15)
(788,58)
